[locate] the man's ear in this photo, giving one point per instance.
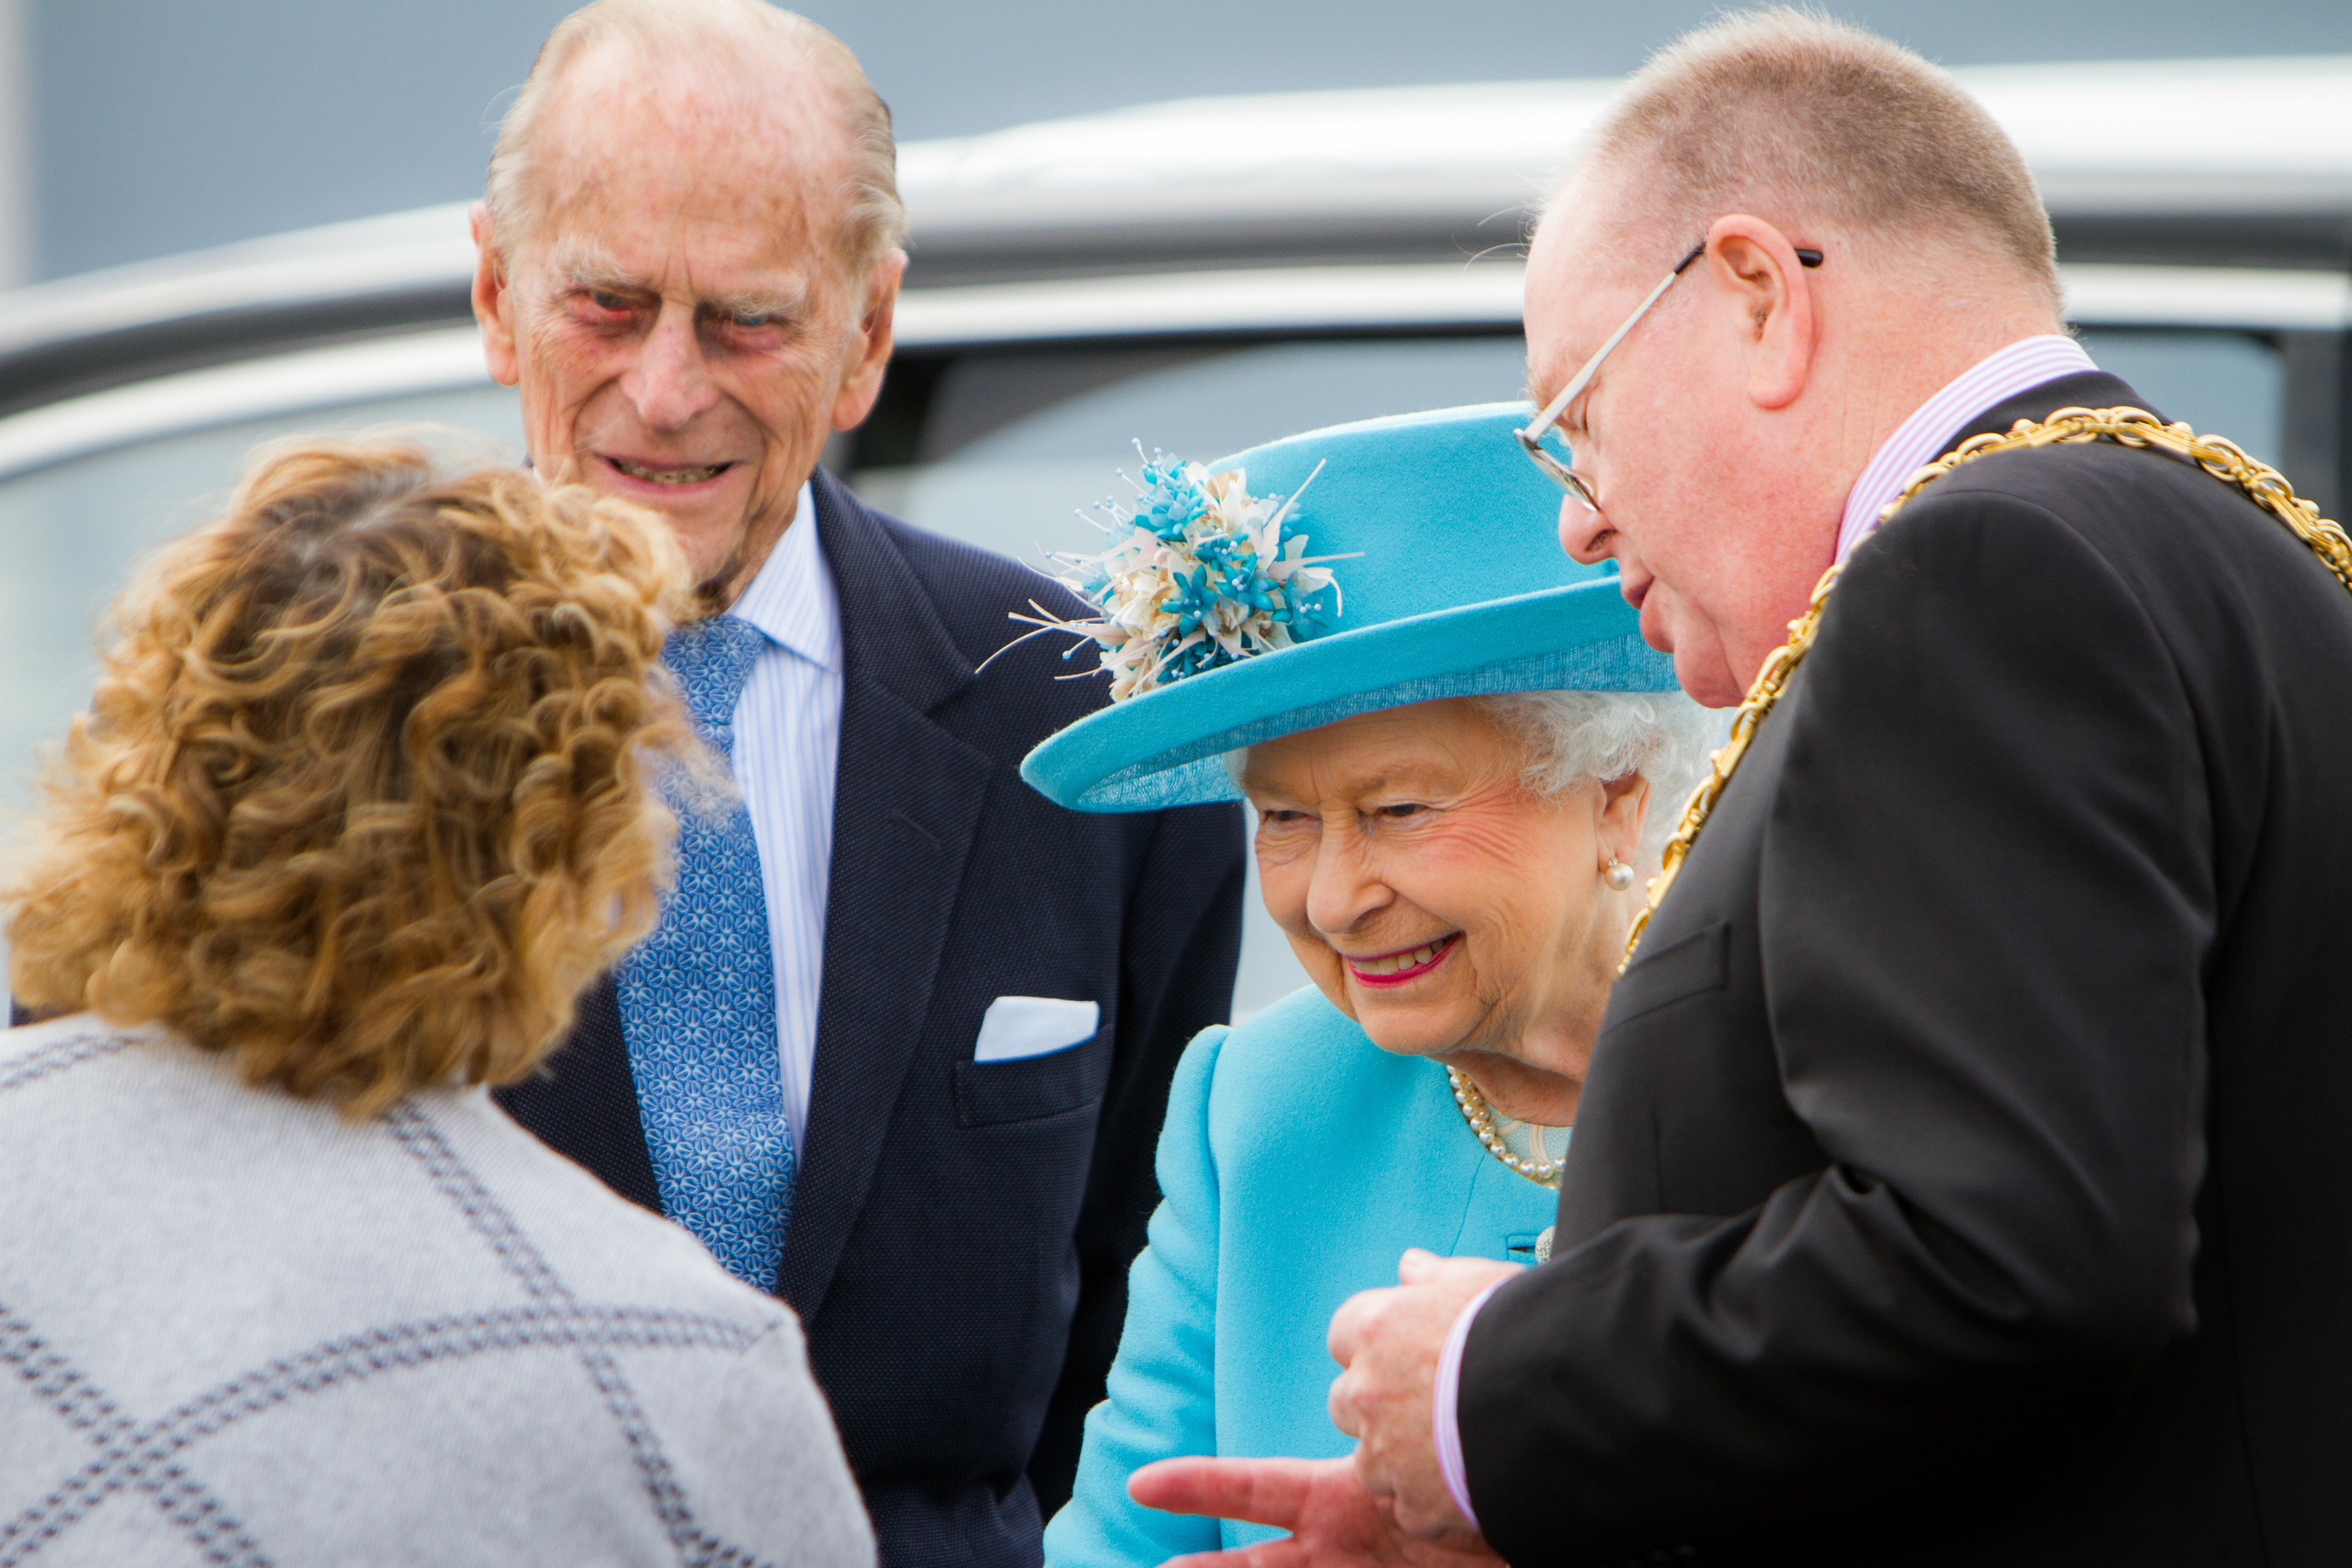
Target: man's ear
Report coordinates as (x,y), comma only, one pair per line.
(492,298)
(1774,298)
(871,342)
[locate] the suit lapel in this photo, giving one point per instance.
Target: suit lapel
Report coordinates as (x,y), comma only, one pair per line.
(906,804)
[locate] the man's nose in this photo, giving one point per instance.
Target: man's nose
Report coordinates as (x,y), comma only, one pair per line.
(671,382)
(1584,533)
(1343,891)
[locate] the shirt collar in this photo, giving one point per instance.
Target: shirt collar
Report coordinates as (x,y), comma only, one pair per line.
(791,597)
(1928,434)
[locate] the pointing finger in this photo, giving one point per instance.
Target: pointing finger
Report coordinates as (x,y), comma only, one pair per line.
(1261,1491)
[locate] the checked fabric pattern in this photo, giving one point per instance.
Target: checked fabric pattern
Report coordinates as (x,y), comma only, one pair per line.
(698,1003)
(239,1329)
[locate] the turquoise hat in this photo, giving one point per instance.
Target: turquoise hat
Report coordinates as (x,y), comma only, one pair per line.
(1445,579)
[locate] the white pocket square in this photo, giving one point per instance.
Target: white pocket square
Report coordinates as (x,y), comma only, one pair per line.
(1018,1026)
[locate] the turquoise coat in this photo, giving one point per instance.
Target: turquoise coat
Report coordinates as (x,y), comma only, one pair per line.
(1297,1162)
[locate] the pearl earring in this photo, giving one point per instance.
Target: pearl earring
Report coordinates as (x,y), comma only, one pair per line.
(1617,874)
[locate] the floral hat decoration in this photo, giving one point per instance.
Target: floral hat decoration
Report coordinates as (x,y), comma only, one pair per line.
(1359,567)
(1200,575)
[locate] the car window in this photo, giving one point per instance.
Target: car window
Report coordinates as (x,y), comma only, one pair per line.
(70,536)
(2218,384)
(1011,446)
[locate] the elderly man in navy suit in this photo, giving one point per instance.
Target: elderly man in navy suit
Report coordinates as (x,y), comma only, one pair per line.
(900,1048)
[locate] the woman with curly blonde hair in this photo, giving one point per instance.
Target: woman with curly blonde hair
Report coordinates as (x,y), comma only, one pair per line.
(366,792)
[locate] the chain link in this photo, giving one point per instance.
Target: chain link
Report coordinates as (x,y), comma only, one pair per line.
(2262,484)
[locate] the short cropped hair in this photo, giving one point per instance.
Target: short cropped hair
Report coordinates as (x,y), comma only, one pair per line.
(1780,106)
(362,799)
(725,33)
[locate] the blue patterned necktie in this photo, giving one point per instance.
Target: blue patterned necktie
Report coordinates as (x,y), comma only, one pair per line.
(698,1003)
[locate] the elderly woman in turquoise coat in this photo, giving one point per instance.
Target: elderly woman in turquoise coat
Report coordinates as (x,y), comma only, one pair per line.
(1455,744)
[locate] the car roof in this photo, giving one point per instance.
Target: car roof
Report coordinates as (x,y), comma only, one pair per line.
(1350,206)
(2174,144)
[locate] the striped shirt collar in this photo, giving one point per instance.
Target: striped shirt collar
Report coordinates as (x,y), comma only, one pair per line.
(1928,434)
(791,597)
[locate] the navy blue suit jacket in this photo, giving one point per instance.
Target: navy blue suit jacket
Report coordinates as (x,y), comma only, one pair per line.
(961,1231)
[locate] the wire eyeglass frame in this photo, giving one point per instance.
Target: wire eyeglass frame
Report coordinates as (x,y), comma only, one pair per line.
(1530,438)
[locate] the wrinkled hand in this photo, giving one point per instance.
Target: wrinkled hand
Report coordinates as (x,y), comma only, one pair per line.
(1388,1341)
(1333,1521)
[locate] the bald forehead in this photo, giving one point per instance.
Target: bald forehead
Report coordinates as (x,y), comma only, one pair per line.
(763,115)
(1589,248)
(1598,217)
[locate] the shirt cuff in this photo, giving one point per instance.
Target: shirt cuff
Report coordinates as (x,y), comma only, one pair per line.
(1446,1431)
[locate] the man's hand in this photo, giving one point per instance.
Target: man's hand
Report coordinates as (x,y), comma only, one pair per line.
(1333,1521)
(1389,1341)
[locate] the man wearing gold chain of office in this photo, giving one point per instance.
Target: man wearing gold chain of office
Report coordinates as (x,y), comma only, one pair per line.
(1962,1175)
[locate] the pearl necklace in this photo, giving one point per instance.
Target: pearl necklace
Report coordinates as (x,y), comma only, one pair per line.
(1481,1118)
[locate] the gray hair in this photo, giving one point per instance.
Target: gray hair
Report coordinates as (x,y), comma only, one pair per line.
(874,221)
(1797,117)
(1573,737)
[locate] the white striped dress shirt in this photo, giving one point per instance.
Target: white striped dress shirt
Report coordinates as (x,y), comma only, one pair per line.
(787,740)
(1927,435)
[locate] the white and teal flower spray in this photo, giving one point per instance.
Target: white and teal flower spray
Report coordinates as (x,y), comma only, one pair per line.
(1200,574)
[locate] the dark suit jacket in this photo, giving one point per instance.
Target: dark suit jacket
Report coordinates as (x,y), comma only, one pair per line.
(960,1232)
(1963,1176)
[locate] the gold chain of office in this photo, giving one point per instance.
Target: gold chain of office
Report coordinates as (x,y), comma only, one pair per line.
(2125,426)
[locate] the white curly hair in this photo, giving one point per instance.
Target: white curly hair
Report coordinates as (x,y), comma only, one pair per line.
(1572,736)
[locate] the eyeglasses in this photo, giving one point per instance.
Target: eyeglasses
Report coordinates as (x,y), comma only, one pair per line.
(1531,438)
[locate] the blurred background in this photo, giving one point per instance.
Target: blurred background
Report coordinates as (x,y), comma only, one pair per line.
(144,127)
(1200,276)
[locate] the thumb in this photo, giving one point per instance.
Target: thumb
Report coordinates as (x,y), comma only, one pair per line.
(1417,1265)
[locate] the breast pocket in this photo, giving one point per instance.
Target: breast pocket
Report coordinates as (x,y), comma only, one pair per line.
(1027,1088)
(1691,967)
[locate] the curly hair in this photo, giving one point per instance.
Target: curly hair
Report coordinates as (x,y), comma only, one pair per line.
(364,795)
(1571,736)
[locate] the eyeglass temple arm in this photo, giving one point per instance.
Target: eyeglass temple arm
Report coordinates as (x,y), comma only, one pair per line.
(1583,378)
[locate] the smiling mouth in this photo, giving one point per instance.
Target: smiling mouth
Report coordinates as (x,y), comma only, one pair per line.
(1392,969)
(669,474)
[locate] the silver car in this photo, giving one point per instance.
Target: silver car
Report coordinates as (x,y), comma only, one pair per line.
(1195,276)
